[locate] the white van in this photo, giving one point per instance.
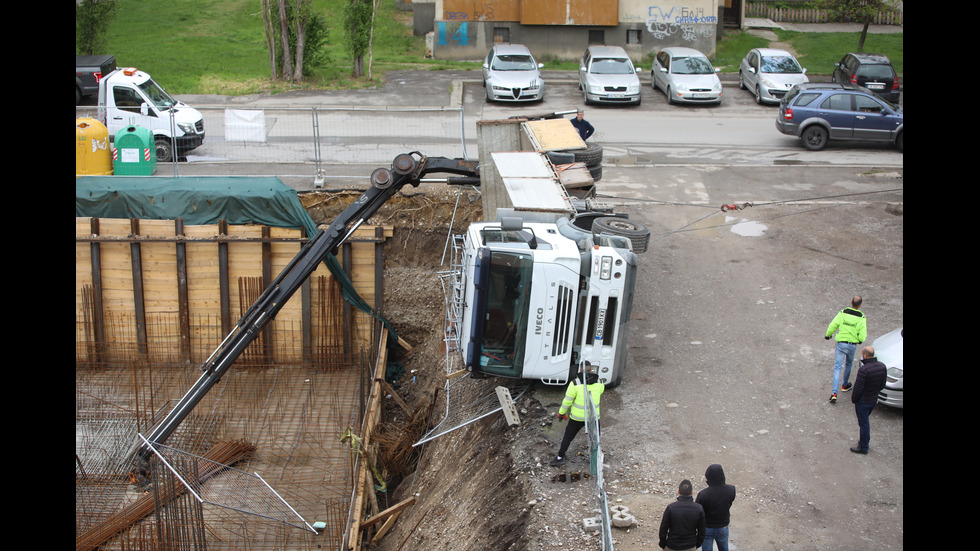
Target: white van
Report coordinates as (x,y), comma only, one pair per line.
(129,97)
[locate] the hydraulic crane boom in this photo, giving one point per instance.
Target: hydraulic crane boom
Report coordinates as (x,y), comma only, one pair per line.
(407,168)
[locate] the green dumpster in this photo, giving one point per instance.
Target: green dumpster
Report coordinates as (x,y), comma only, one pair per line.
(134,153)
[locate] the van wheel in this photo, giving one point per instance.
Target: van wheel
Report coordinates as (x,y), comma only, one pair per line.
(165,149)
(638,234)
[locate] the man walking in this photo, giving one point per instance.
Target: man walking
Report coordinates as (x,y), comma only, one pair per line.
(871,378)
(852,328)
(682,526)
(573,408)
(716,500)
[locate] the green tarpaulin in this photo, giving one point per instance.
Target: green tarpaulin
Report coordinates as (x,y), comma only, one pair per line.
(206,200)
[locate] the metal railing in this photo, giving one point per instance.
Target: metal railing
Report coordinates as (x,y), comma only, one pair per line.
(319,135)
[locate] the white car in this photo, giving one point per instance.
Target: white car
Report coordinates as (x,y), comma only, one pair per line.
(889,350)
(606,75)
(769,74)
(686,76)
(511,74)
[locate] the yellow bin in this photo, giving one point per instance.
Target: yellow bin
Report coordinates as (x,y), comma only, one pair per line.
(93,156)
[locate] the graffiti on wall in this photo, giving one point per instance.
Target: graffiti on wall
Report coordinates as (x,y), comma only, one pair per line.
(678,21)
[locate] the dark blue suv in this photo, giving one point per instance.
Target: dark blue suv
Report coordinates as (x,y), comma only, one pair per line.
(819,112)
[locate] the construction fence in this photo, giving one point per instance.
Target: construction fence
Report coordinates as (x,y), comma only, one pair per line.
(317,136)
(805,13)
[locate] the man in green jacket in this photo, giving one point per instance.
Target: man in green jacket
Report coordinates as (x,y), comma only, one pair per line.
(573,408)
(852,328)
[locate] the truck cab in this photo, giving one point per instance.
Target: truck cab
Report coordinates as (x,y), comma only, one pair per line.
(130,97)
(539,298)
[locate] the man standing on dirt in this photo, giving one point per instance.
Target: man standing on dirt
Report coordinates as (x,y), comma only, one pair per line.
(584,128)
(852,329)
(871,378)
(573,408)
(682,526)
(716,500)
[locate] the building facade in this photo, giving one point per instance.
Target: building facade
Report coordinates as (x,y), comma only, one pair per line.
(563,29)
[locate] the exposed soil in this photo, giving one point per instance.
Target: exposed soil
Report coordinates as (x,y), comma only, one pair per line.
(728,365)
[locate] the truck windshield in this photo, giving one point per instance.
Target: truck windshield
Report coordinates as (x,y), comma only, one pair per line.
(157,95)
(507,307)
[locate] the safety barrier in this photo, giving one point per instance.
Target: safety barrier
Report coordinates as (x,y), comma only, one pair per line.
(319,135)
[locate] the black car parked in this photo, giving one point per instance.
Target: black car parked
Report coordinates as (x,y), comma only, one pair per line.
(819,112)
(873,71)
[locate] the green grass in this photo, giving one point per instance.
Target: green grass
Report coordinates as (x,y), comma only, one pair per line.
(218,47)
(816,51)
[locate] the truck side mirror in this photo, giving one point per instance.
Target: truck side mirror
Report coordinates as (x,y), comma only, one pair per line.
(144,109)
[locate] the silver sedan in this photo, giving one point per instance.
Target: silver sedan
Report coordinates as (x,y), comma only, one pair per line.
(769,74)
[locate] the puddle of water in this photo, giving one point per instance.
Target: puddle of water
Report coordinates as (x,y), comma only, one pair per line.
(749,228)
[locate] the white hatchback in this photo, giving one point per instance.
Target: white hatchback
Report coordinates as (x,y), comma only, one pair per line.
(890,350)
(686,76)
(769,74)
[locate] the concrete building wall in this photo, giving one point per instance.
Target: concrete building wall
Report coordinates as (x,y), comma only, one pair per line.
(467,29)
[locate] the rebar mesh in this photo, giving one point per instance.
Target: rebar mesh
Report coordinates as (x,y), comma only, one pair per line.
(294,414)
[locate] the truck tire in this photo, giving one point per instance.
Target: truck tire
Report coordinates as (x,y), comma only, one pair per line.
(638,234)
(591,155)
(165,149)
(561,157)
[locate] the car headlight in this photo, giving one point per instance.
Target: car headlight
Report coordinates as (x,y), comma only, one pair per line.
(187,127)
(633,89)
(500,88)
(894,374)
(767,83)
(595,88)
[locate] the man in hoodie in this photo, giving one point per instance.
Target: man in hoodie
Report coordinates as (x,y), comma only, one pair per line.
(573,408)
(852,328)
(682,526)
(716,500)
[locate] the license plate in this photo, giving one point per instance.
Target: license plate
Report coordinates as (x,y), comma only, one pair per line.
(700,96)
(875,86)
(614,95)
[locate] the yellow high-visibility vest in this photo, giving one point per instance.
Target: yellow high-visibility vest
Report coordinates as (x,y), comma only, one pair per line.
(574,403)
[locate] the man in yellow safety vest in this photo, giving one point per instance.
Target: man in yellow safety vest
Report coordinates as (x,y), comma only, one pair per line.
(573,408)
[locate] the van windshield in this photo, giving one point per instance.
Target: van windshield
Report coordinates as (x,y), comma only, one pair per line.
(160,98)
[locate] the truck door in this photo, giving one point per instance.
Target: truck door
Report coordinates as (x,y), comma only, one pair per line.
(128,103)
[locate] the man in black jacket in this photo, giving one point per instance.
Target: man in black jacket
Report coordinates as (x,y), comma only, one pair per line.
(871,378)
(716,500)
(682,526)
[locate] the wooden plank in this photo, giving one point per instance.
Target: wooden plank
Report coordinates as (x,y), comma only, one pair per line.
(396,508)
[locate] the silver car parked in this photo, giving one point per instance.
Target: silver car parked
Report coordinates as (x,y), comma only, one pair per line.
(686,76)
(769,74)
(606,75)
(511,74)
(890,350)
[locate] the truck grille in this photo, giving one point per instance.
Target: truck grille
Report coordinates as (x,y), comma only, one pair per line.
(563,320)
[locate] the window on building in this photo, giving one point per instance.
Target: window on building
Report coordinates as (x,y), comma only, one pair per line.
(597,37)
(633,36)
(501,35)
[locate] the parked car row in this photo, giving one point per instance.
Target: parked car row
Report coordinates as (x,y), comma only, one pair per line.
(859,105)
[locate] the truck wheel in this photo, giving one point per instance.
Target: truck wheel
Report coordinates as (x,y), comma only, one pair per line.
(637,233)
(165,149)
(591,155)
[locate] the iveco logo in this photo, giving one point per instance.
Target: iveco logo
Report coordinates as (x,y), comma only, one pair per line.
(539,321)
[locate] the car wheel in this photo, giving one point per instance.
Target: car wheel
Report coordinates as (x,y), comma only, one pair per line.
(670,98)
(900,142)
(758,95)
(814,137)
(489,96)
(165,149)
(741,81)
(638,234)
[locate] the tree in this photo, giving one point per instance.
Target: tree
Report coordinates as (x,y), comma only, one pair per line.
(294,35)
(860,11)
(358,18)
(92,20)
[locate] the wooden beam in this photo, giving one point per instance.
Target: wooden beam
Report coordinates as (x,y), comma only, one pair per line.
(396,508)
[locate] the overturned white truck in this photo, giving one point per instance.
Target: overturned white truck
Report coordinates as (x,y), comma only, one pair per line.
(549,283)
